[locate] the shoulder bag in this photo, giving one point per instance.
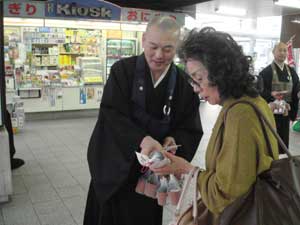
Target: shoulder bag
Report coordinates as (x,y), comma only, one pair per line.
(274,199)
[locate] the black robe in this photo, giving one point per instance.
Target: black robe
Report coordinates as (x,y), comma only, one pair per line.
(282,122)
(111,153)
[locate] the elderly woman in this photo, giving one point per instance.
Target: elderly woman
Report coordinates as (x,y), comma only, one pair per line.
(237,151)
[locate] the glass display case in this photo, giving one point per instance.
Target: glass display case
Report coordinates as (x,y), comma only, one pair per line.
(117,49)
(91,70)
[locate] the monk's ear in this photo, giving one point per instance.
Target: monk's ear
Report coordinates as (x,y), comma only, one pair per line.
(144,40)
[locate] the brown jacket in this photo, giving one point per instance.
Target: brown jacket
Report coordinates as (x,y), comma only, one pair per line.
(236,154)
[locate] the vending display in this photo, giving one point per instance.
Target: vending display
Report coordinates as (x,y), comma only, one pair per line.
(91,70)
(117,49)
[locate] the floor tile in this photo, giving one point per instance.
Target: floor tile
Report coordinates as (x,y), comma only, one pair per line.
(18,185)
(31,167)
(61,179)
(70,191)
(36,181)
(53,213)
(42,194)
(76,206)
(20,215)
(52,164)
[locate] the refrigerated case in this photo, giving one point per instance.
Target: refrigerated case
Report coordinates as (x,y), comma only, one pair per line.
(91,70)
(117,49)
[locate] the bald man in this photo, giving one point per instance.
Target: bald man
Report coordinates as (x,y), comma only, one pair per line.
(145,97)
(281,82)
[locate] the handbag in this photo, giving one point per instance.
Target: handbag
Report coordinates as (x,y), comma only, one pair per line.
(296,126)
(197,213)
(274,198)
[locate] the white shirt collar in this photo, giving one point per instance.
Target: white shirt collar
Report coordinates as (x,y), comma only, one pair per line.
(162,76)
(280,67)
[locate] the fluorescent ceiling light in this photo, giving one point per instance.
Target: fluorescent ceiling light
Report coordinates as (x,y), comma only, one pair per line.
(288,3)
(133,27)
(231,11)
(296,21)
(10,21)
(82,24)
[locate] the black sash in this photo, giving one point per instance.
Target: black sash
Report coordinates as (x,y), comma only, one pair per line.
(158,129)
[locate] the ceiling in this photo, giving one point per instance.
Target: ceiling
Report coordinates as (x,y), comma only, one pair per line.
(162,5)
(255,8)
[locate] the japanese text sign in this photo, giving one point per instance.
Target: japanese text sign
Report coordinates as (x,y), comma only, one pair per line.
(87,9)
(144,15)
(24,9)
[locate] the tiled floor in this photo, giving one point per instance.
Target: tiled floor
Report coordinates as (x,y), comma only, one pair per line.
(51,188)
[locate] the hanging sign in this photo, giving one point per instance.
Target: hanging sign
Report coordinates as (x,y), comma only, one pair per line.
(24,9)
(144,15)
(87,9)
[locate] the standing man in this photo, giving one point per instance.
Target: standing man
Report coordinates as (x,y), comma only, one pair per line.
(14,162)
(146,97)
(280,82)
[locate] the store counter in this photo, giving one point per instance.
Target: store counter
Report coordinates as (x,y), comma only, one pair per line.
(65,98)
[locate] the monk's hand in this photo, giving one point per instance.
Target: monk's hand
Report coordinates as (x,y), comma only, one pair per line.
(277,95)
(149,144)
(170,141)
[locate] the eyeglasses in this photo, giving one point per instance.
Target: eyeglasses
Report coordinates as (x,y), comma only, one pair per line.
(192,82)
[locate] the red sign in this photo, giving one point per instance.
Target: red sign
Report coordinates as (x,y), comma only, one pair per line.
(141,15)
(24,9)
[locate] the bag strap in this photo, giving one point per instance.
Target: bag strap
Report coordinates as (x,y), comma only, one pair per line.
(264,121)
(195,197)
(192,175)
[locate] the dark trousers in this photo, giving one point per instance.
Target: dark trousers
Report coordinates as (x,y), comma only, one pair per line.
(125,207)
(283,129)
(8,125)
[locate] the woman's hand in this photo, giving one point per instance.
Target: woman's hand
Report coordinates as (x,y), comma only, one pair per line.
(149,144)
(177,166)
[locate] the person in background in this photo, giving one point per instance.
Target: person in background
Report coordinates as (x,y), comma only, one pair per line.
(281,82)
(237,151)
(146,99)
(257,79)
(14,162)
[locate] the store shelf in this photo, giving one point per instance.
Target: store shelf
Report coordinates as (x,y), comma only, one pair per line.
(45,43)
(114,57)
(119,47)
(71,53)
(113,46)
(46,54)
(46,65)
(28,88)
